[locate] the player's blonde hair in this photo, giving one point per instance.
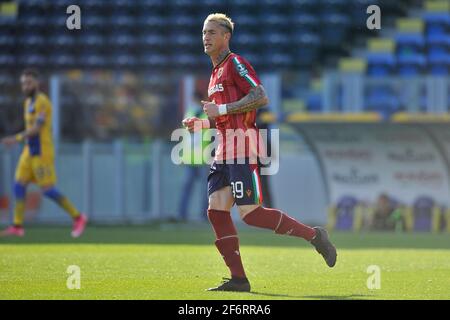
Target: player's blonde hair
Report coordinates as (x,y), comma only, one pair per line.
(222,19)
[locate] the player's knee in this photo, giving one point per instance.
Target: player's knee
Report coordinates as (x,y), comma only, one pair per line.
(218,202)
(214,201)
(52,193)
(246,209)
(19,190)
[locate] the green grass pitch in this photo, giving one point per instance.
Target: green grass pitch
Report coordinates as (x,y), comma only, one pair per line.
(179,262)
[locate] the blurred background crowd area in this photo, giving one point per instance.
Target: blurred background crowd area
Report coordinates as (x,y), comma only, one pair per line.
(121,72)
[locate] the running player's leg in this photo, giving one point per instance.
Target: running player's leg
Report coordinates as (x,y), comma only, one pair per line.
(23,176)
(227,241)
(55,195)
(247,190)
(79,219)
(45,175)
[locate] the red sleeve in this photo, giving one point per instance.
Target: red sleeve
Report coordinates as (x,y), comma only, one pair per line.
(244,76)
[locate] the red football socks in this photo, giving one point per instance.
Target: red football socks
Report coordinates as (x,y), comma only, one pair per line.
(227,241)
(279,222)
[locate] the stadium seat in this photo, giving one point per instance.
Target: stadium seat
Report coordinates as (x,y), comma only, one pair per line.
(343,213)
(92,60)
(437,23)
(62,60)
(7,60)
(423,213)
(411,64)
(439,64)
(94,22)
(382,99)
(438,44)
(305,22)
(409,43)
(154,60)
(32,59)
(381,64)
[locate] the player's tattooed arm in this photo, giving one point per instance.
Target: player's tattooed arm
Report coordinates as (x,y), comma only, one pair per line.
(255,99)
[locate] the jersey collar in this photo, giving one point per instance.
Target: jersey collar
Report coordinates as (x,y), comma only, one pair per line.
(224,59)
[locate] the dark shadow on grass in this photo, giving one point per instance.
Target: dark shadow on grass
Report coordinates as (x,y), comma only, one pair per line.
(275,295)
(320,297)
(344,297)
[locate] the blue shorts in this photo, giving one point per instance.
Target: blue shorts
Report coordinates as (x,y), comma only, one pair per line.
(242,178)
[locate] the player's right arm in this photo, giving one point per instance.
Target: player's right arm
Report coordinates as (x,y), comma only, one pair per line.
(21,136)
(41,109)
(194,124)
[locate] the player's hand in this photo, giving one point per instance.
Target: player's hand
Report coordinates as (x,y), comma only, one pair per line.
(9,141)
(192,123)
(211,109)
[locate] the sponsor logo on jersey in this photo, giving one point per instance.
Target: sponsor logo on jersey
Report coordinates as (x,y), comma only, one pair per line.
(242,70)
(219,73)
(217,88)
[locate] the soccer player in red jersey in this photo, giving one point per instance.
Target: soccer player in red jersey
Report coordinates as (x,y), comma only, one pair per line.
(235,92)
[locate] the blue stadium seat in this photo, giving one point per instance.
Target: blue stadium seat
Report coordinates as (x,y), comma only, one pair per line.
(6,41)
(35,23)
(439,64)
(6,80)
(248,40)
(411,64)
(152,23)
(93,22)
(62,40)
(409,43)
(437,23)
(277,60)
(253,57)
(123,60)
(380,64)
(423,211)
(92,60)
(276,40)
(273,21)
(314,102)
(32,59)
(334,28)
(154,60)
(121,22)
(345,210)
(438,44)
(93,40)
(383,100)
(186,22)
(306,5)
(95,6)
(62,60)
(305,22)
(185,42)
(153,5)
(34,41)
(152,40)
(306,38)
(122,39)
(7,60)
(245,22)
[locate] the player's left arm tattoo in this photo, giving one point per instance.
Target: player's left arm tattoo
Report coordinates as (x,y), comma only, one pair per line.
(255,99)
